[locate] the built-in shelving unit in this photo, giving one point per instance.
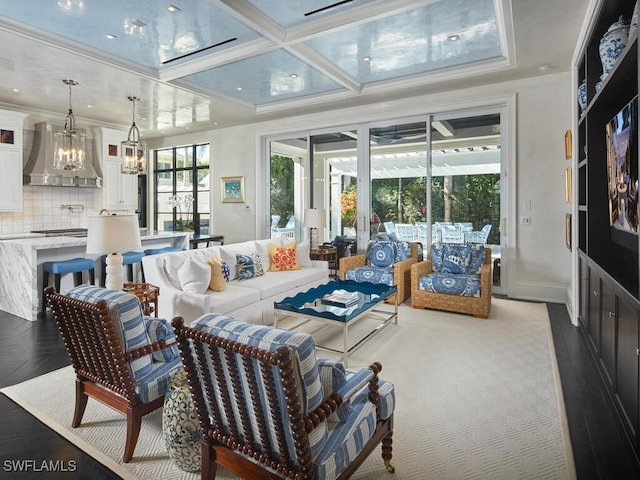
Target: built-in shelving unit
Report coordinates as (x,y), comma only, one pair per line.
(608,267)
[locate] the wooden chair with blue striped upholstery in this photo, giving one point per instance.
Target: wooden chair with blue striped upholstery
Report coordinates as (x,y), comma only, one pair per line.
(121,357)
(268,409)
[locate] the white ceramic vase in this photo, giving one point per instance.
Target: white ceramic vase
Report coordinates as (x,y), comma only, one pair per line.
(612,44)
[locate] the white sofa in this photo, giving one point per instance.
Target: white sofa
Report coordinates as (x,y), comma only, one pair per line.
(249,300)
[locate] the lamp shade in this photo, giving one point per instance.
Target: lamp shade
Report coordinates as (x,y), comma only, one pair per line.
(315,218)
(113,234)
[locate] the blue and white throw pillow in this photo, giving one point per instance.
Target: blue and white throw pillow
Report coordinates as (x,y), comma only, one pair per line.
(456,258)
(404,250)
(382,254)
(226,271)
(248,266)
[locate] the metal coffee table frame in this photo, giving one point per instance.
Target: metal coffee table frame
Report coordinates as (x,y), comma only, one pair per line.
(308,306)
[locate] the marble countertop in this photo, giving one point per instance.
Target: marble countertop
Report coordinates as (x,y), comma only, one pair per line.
(41,242)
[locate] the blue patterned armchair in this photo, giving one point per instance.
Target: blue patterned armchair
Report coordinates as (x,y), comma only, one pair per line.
(386,262)
(269,409)
(457,278)
(121,357)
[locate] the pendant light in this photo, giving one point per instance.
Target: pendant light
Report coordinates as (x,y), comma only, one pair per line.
(70,145)
(133,159)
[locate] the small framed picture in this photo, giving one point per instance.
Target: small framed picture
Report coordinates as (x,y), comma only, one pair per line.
(6,136)
(232,189)
(567,230)
(113,150)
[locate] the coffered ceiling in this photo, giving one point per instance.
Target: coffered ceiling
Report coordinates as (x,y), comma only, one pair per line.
(201,64)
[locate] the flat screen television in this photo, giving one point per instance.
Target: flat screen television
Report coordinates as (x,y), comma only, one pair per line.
(622,164)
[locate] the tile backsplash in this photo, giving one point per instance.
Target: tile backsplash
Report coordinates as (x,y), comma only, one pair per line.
(42,209)
(42,206)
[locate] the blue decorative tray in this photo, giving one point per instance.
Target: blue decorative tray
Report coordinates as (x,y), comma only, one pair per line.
(310,301)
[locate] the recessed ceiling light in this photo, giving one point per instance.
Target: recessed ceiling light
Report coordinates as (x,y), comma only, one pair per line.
(367,58)
(544,68)
(173,8)
(17,90)
(294,75)
(215,123)
(89,106)
(239,89)
(453,38)
(110,36)
(139,23)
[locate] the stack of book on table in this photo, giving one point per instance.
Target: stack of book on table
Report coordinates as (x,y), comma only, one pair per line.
(341,298)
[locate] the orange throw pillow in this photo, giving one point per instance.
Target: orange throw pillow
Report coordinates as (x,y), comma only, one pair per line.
(283,258)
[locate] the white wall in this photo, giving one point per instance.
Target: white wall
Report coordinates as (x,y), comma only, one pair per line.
(539,261)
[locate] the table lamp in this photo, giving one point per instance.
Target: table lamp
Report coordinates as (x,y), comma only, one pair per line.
(113,234)
(315,218)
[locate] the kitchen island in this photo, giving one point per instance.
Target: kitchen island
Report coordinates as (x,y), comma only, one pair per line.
(21,271)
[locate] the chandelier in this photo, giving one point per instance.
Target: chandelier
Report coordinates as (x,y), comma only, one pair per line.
(133,160)
(70,145)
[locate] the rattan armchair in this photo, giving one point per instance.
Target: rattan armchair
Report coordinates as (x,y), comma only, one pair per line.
(401,271)
(120,359)
(478,306)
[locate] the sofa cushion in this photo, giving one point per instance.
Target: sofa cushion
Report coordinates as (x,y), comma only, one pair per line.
(456,258)
(404,250)
(478,257)
(283,258)
(194,276)
(371,274)
(248,266)
(270,284)
(302,254)
(451,284)
(218,282)
(381,254)
(236,296)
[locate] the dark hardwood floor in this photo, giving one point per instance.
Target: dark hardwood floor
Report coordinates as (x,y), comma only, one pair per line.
(30,349)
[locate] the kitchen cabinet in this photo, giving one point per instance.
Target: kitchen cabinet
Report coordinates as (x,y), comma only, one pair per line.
(119,191)
(11,160)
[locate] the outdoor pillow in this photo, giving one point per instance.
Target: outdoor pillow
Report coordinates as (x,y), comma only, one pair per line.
(283,258)
(248,266)
(218,282)
(404,250)
(194,276)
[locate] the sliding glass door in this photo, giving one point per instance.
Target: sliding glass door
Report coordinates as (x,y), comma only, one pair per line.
(466,166)
(425,179)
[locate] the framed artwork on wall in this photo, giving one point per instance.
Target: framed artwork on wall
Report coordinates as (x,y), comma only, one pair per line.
(232,189)
(567,230)
(6,136)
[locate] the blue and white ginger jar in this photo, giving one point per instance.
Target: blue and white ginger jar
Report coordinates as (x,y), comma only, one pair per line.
(613,43)
(582,96)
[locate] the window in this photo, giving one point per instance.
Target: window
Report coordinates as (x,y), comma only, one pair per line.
(182,189)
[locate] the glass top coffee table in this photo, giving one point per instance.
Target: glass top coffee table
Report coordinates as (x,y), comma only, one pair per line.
(340,303)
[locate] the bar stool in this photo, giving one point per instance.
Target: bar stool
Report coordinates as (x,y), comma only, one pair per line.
(158,251)
(129,259)
(76,266)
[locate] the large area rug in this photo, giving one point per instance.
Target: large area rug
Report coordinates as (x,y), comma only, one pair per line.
(476,399)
